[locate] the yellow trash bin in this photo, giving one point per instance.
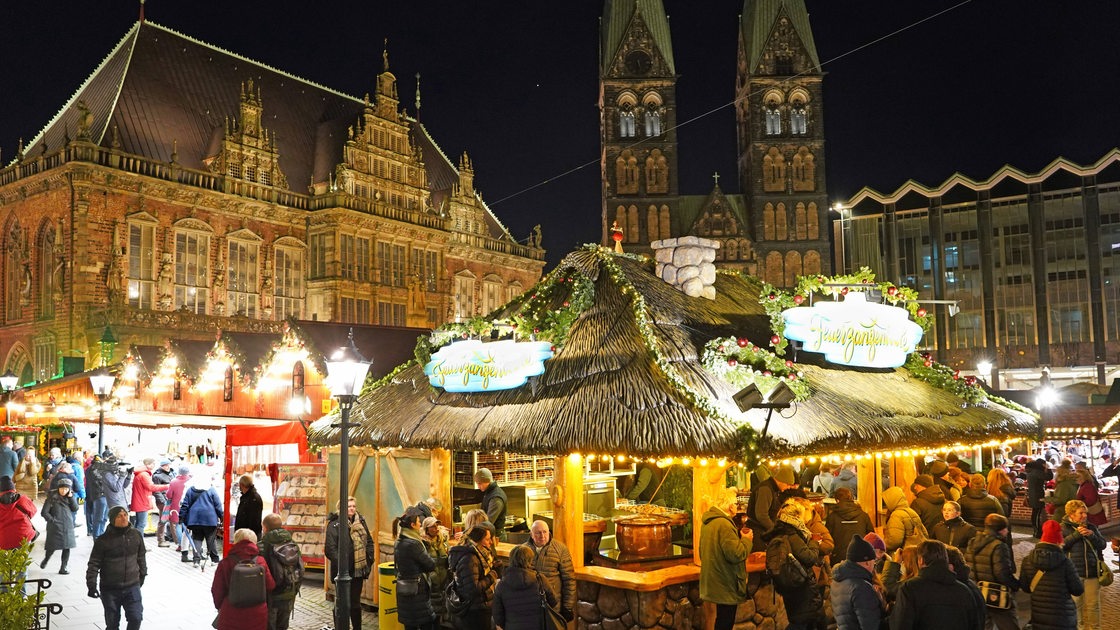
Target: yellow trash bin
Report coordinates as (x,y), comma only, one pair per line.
(387,597)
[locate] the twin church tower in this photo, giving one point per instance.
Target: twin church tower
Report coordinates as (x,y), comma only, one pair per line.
(777,227)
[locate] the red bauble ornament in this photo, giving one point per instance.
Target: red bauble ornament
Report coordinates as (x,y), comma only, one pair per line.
(767,373)
(772,296)
(536,330)
(921,312)
(732,362)
(970,380)
(743,343)
(789,363)
(798,299)
(928,363)
(844,291)
(775,340)
(792,377)
(892,290)
(956,375)
(926,355)
(566,304)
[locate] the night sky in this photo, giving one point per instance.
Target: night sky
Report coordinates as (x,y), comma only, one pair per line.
(952,86)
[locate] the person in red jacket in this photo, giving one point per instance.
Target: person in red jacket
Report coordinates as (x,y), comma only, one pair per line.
(1087,492)
(16,511)
(231,617)
(142,489)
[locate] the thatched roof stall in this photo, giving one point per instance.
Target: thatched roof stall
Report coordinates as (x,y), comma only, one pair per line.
(629,378)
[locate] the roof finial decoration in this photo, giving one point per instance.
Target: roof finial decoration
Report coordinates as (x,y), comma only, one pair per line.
(385,55)
(417,96)
(141,11)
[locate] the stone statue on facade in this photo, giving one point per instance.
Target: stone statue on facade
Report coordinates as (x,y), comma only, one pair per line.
(164,284)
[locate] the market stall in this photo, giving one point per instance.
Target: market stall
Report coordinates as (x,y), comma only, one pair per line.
(639,371)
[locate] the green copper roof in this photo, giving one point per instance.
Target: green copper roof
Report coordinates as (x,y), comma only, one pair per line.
(758,21)
(617,15)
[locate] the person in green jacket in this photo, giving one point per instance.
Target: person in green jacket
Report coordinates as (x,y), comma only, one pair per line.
(723,560)
(282,599)
(1065,490)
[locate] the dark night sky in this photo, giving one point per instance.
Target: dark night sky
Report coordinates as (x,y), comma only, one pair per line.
(986,83)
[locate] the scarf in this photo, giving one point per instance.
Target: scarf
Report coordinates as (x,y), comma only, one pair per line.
(357,537)
(795,520)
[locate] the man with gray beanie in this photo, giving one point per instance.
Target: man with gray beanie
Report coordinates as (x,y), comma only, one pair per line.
(119,557)
(855,603)
(493,501)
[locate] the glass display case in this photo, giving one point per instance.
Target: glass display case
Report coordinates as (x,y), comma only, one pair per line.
(301,502)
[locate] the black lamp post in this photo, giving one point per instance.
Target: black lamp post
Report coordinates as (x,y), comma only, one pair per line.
(102,383)
(8,384)
(346,373)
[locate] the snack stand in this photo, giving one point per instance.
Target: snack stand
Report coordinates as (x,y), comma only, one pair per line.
(630,378)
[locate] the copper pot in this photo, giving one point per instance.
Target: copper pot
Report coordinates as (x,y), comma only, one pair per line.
(643,535)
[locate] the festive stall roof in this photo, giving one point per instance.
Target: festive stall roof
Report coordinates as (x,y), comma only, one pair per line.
(629,378)
(1063,421)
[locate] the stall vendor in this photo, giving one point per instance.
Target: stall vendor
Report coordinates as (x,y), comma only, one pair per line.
(646,480)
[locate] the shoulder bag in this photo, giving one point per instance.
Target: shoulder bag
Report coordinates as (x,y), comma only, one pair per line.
(1104,574)
(996,595)
(551,619)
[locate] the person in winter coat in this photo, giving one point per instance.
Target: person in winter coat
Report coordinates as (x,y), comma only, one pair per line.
(903,566)
(1002,488)
(62,470)
(804,605)
(96,510)
(494,501)
(1038,473)
(939,471)
(825,542)
(517,598)
(1083,543)
(413,567)
(855,602)
(58,511)
(436,539)
(1065,490)
(474,577)
(250,508)
(361,556)
(723,560)
(162,476)
(282,599)
(847,479)
(175,491)
(1051,579)
(1087,494)
(822,483)
(844,520)
(959,567)
(933,600)
(232,617)
(928,500)
(115,482)
(992,560)
(120,559)
(77,468)
(904,526)
(976,504)
(16,512)
(763,504)
(142,490)
(9,460)
(201,511)
(553,563)
(953,530)
(27,474)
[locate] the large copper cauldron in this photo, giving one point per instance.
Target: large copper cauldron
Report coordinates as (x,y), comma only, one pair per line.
(643,535)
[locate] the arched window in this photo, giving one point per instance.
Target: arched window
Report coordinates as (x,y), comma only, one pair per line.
(812,263)
(768,222)
(804,170)
(798,119)
(772,114)
(626,173)
(793,268)
(192,266)
(464,296)
(620,217)
(633,232)
(491,293)
(773,171)
(813,230)
(297,379)
(651,224)
(774,271)
(781,223)
(227,384)
(731,249)
(665,227)
(14,271)
(657,172)
(48,260)
(626,126)
(799,228)
(653,121)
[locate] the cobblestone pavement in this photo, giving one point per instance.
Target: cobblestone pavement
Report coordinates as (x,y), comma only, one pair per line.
(1110,596)
(176,595)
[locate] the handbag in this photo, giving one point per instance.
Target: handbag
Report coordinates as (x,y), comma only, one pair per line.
(409,587)
(995,595)
(1104,574)
(455,604)
(551,619)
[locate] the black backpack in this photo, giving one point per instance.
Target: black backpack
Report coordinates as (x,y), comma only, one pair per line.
(285,562)
(785,570)
(247,584)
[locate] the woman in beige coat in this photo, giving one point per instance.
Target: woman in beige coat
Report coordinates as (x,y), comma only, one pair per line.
(27,475)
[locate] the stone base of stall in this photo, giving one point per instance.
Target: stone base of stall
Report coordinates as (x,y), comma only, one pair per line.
(672,607)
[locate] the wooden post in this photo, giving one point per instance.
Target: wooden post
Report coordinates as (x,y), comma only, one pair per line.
(869,488)
(903,473)
(708,484)
(439,483)
(567,513)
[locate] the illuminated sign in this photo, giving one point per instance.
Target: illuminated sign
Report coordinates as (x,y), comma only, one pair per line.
(854,332)
(473,366)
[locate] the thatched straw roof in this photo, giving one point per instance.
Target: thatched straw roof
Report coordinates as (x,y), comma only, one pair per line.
(611,389)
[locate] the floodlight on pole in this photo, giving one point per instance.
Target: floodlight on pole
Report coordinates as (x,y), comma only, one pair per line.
(780,397)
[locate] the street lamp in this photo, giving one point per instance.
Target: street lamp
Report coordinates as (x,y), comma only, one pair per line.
(989,372)
(8,384)
(102,383)
(346,373)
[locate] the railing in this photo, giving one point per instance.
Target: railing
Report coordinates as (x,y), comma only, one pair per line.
(180,320)
(43,611)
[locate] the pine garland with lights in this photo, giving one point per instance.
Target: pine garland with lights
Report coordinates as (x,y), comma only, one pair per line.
(739,362)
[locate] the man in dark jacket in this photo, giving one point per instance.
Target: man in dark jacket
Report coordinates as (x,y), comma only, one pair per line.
(723,556)
(953,531)
(955,462)
(763,504)
(281,599)
(553,562)
(162,476)
(933,600)
(992,560)
(116,482)
(928,499)
(855,604)
(118,556)
(493,501)
(847,479)
(844,520)
(939,471)
(1038,473)
(976,503)
(960,569)
(250,507)
(97,512)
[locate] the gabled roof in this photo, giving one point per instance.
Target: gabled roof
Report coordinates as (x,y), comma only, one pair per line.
(757,22)
(692,208)
(617,16)
(629,379)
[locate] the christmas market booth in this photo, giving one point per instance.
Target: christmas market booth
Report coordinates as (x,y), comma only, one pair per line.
(614,363)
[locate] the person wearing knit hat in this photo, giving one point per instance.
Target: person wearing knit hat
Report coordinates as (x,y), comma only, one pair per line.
(928,500)
(939,471)
(58,511)
(16,512)
(119,559)
(1051,579)
(786,475)
(855,603)
(763,504)
(494,501)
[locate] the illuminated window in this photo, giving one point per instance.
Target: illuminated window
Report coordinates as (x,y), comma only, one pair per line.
(464,296)
(626,126)
(491,293)
(653,121)
(798,119)
(46,357)
(773,116)
(242,278)
(192,270)
(141,265)
(289,283)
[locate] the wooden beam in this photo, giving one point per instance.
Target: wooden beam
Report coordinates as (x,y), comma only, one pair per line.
(439,483)
(708,484)
(567,506)
(869,489)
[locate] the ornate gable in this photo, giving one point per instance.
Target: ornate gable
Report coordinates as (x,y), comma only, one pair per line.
(249,151)
(785,52)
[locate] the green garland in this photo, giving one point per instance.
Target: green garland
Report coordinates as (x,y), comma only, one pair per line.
(739,362)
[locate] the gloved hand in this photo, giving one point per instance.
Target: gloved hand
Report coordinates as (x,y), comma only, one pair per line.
(93,593)
(568,614)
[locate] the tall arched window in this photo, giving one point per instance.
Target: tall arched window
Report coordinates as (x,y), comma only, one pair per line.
(772,114)
(798,119)
(799,225)
(13,271)
(781,223)
(768,222)
(297,379)
(657,172)
(774,271)
(793,268)
(813,229)
(664,226)
(773,171)
(651,223)
(633,231)
(812,263)
(48,260)
(626,173)
(626,126)
(653,120)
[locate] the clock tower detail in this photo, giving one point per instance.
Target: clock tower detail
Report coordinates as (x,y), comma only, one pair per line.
(637,105)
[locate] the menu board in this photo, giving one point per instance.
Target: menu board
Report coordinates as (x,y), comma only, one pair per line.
(301,502)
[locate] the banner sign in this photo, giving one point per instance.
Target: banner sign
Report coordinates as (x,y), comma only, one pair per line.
(474,366)
(854,332)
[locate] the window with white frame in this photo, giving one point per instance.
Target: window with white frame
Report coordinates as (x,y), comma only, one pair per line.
(321,247)
(242,284)
(288,283)
(46,357)
(464,296)
(392,263)
(513,290)
(141,265)
(491,293)
(192,268)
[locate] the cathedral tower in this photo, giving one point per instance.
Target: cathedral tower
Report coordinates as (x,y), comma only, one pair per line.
(637,105)
(780,120)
